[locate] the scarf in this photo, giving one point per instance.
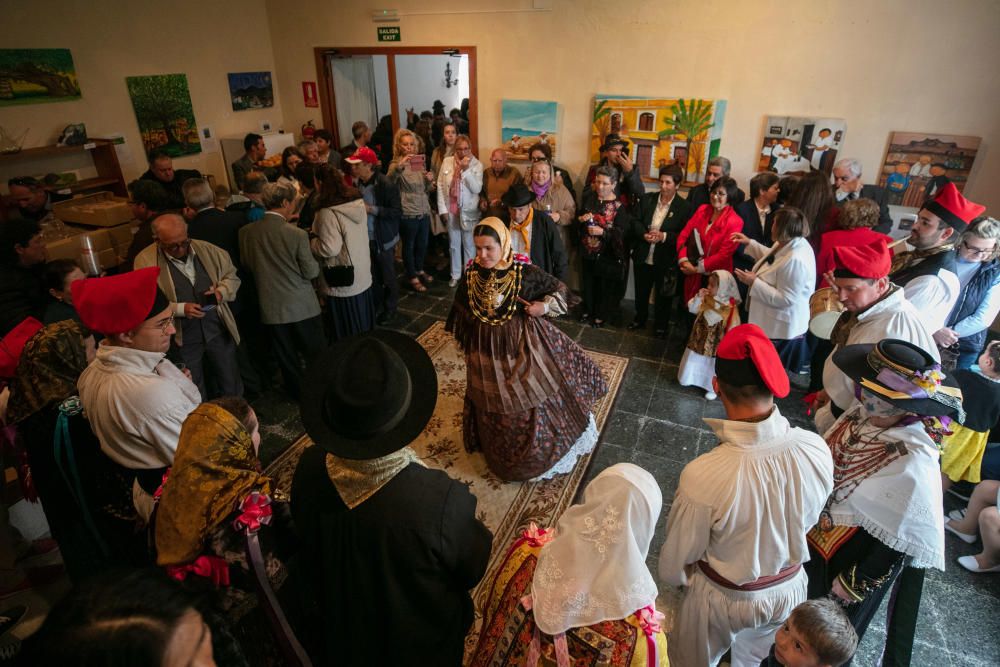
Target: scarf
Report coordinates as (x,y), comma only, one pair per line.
(540,190)
(455,191)
(848,320)
(905,260)
(50,365)
(506,253)
(214,470)
(357,481)
(524,229)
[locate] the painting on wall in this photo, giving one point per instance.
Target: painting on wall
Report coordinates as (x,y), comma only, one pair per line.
(250,90)
(525,123)
(163,108)
(661,131)
(918,163)
(30,76)
(795,144)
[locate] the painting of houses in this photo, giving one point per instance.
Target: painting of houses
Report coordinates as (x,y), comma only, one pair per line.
(661,131)
(525,123)
(163,109)
(796,144)
(250,90)
(917,162)
(30,76)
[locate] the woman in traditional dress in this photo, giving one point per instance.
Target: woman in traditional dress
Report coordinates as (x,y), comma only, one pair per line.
(586,582)
(884,515)
(215,508)
(530,388)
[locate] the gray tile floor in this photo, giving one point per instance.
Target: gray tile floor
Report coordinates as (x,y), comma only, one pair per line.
(657,424)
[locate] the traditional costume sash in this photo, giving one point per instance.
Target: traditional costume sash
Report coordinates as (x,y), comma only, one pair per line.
(760,583)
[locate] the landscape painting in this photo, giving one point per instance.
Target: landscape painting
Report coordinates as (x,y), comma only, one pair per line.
(31,76)
(661,131)
(917,163)
(525,123)
(163,109)
(795,144)
(251,90)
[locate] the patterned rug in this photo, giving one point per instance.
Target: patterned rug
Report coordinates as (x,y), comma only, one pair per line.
(505,508)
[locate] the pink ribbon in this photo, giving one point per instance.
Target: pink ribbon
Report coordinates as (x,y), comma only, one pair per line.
(255,512)
(649,621)
(163,482)
(210,567)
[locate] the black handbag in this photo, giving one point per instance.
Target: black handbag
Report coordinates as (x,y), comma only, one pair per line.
(343,274)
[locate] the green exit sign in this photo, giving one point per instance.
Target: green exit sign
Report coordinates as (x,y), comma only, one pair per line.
(388,34)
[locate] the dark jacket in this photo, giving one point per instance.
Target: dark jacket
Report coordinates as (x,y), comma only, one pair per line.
(21,295)
(752,228)
(175,195)
(877,195)
(390,210)
(141,239)
(547,250)
(698,196)
(389,581)
(974,293)
(220,228)
(677,217)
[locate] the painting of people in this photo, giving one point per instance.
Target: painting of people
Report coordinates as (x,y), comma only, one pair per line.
(796,144)
(917,164)
(525,123)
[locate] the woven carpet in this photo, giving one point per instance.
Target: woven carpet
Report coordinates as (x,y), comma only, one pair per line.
(505,508)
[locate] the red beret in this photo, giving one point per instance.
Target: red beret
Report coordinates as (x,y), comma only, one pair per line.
(116,304)
(746,356)
(13,344)
(953,208)
(867,261)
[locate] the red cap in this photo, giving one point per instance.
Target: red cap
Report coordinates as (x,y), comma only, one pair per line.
(746,356)
(116,304)
(13,344)
(953,208)
(363,154)
(871,261)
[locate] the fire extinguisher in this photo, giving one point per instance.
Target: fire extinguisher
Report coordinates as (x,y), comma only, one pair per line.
(308,130)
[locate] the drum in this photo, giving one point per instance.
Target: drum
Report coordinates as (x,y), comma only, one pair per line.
(824,311)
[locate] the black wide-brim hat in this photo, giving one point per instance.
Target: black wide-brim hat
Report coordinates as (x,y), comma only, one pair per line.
(369,395)
(517,195)
(901,359)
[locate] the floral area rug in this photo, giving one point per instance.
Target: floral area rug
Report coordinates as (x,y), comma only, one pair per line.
(505,508)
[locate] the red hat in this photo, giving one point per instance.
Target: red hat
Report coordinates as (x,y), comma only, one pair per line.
(363,154)
(957,211)
(747,357)
(13,344)
(871,261)
(117,304)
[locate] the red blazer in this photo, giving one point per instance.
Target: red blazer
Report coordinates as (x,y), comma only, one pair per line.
(843,238)
(715,241)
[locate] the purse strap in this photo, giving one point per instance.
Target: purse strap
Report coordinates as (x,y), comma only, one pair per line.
(346,248)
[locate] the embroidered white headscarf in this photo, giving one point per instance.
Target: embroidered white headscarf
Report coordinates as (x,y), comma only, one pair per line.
(595,568)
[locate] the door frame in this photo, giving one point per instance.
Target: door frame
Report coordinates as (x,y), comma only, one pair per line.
(328,101)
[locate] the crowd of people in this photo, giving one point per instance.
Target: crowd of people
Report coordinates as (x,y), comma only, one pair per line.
(129,396)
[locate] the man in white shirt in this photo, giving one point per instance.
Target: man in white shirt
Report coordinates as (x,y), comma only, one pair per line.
(927,273)
(736,535)
(135,399)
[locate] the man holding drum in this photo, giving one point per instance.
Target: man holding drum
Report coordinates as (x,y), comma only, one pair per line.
(874,309)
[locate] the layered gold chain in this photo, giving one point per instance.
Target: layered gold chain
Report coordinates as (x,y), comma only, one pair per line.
(488,295)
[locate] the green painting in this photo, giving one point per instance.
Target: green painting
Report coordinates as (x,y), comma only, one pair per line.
(30,76)
(163,108)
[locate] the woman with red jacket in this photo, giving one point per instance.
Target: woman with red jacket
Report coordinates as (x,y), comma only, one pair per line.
(704,244)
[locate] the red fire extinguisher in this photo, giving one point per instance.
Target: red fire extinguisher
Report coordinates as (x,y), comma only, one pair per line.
(308,130)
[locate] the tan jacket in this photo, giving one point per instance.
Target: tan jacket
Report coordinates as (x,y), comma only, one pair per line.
(220,270)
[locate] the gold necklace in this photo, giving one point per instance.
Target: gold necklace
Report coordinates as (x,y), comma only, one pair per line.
(488,295)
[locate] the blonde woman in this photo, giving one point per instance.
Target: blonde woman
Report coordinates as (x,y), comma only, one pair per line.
(408,172)
(458,185)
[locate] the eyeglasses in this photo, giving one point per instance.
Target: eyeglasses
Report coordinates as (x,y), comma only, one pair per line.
(978,252)
(719,194)
(164,325)
(174,247)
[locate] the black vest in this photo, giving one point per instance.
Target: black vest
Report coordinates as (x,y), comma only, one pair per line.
(929,266)
(192,329)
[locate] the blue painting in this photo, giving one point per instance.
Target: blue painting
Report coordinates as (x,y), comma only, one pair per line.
(251,90)
(525,123)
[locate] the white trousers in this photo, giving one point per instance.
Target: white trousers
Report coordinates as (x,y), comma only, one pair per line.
(460,246)
(711,619)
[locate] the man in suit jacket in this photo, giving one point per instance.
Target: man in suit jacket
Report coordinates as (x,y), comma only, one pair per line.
(654,249)
(254,151)
(277,253)
(161,170)
(387,542)
(533,232)
(361,136)
(758,214)
(718,167)
(847,186)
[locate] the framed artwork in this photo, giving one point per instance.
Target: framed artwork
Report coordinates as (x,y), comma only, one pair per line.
(163,109)
(797,144)
(250,90)
(918,163)
(525,123)
(660,131)
(31,76)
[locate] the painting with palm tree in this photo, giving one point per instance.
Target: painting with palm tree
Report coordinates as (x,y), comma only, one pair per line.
(661,131)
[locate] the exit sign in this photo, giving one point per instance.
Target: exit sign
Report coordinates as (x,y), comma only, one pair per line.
(388,34)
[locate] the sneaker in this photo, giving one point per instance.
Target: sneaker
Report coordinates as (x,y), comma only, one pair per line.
(972,565)
(965,537)
(453,282)
(710,396)
(957,515)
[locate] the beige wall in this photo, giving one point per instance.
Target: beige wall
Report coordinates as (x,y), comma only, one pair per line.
(113,39)
(882,65)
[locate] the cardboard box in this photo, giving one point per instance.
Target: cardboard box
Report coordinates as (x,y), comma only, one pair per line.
(69,248)
(101,209)
(122,234)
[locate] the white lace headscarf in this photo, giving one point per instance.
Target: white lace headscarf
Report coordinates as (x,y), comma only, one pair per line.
(595,568)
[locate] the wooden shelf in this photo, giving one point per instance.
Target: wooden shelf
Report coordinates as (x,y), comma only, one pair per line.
(85,184)
(51,151)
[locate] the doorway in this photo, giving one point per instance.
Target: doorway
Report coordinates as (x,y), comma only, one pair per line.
(371,83)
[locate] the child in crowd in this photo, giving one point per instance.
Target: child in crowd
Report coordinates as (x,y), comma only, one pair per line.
(716,310)
(962,451)
(817,634)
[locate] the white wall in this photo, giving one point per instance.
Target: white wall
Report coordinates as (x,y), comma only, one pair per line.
(890,65)
(420,81)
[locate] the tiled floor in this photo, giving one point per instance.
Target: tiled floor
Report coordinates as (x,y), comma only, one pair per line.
(658,425)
